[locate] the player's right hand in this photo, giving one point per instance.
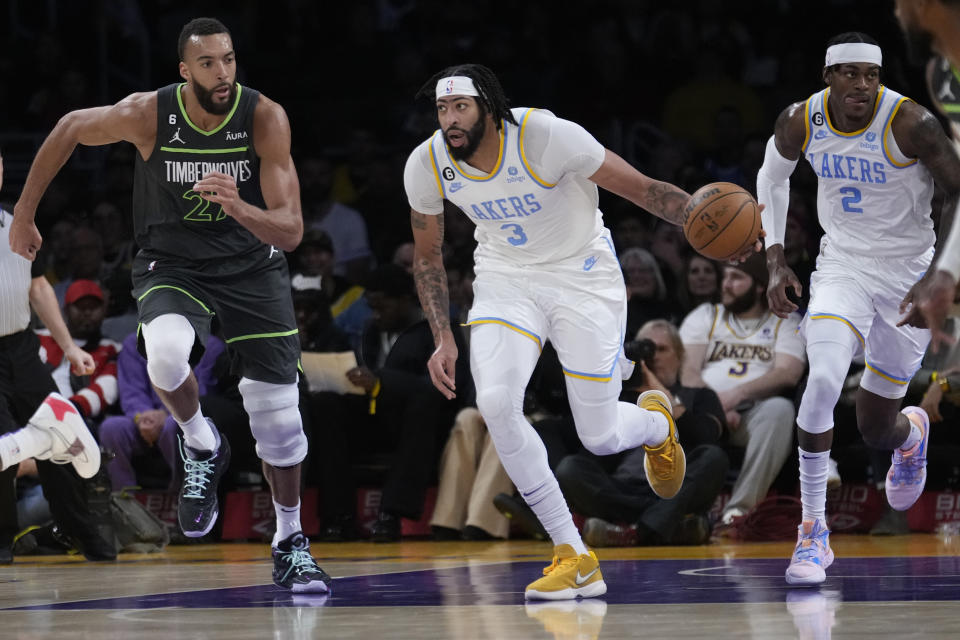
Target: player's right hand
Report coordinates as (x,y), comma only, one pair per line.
(25,238)
(929,301)
(782,277)
(442,367)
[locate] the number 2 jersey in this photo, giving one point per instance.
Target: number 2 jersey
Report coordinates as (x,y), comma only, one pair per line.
(871,199)
(536,206)
(172,219)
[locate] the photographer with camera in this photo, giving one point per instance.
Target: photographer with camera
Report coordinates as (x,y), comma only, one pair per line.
(749,356)
(613,492)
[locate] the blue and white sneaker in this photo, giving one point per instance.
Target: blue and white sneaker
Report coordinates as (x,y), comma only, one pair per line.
(908,469)
(812,555)
(198,508)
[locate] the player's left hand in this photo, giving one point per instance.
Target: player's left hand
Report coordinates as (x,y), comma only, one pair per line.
(222,189)
(81,362)
(928,302)
(756,247)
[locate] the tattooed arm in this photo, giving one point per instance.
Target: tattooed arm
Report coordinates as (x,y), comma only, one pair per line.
(431,278)
(659,198)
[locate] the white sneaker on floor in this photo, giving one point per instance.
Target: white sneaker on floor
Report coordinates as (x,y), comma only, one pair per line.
(812,555)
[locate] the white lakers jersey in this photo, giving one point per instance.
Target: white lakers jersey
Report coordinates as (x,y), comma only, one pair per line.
(871,199)
(739,352)
(535,206)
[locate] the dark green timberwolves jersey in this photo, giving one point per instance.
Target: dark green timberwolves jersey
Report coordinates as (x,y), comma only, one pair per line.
(172,219)
(945,90)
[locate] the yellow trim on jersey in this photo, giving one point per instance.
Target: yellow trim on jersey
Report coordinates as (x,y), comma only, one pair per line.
(806,124)
(522,332)
(830,316)
(433,162)
(586,377)
(886,130)
(496,167)
(885,376)
(826,113)
(523,154)
(713,327)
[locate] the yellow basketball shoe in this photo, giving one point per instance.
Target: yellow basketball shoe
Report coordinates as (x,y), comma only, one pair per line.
(665,464)
(568,576)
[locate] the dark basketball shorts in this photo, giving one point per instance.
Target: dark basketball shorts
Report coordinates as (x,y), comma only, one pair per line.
(248,295)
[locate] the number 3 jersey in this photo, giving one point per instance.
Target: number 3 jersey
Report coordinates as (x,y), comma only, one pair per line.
(170,218)
(537,205)
(871,199)
(739,351)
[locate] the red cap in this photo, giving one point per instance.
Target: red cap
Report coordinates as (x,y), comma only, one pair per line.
(82,289)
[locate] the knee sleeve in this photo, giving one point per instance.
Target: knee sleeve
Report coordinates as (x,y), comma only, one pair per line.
(596,413)
(168,340)
(501,408)
(275,421)
(830,347)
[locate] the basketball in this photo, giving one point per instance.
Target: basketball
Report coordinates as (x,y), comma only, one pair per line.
(721,220)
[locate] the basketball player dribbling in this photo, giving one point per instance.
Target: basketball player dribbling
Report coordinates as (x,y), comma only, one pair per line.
(545,270)
(216,199)
(934,25)
(877,155)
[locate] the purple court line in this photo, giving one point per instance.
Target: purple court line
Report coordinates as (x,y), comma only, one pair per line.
(629,582)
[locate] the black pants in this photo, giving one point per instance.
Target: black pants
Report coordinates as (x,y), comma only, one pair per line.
(409,430)
(594,492)
(24,383)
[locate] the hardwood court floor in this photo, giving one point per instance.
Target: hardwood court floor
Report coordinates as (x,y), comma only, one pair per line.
(903,587)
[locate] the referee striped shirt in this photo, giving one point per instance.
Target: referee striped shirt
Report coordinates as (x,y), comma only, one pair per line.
(14,283)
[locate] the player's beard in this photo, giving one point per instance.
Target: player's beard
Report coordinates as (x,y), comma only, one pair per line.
(205,98)
(919,44)
(473,138)
(743,302)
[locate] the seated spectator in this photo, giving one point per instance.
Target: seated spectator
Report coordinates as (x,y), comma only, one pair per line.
(344,225)
(405,411)
(86,260)
(93,395)
(315,258)
(748,356)
(647,297)
(470,477)
(700,283)
(146,427)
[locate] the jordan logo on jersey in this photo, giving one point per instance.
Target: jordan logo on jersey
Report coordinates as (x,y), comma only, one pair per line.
(176,137)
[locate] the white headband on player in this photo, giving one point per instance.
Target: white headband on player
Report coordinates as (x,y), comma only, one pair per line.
(853,52)
(456,86)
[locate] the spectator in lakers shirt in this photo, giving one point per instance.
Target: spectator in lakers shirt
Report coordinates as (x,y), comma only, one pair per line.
(749,356)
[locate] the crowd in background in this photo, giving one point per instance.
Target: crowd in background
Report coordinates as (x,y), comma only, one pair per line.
(687,92)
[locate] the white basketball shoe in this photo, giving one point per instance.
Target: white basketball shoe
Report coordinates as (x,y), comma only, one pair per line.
(70,440)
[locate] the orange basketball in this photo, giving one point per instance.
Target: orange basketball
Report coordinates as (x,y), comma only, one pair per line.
(721,220)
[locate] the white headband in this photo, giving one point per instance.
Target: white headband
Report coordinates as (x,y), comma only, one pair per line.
(853,52)
(456,86)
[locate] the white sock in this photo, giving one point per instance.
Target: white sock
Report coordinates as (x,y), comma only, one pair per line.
(916,435)
(23,444)
(288,521)
(814,469)
(551,508)
(198,434)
